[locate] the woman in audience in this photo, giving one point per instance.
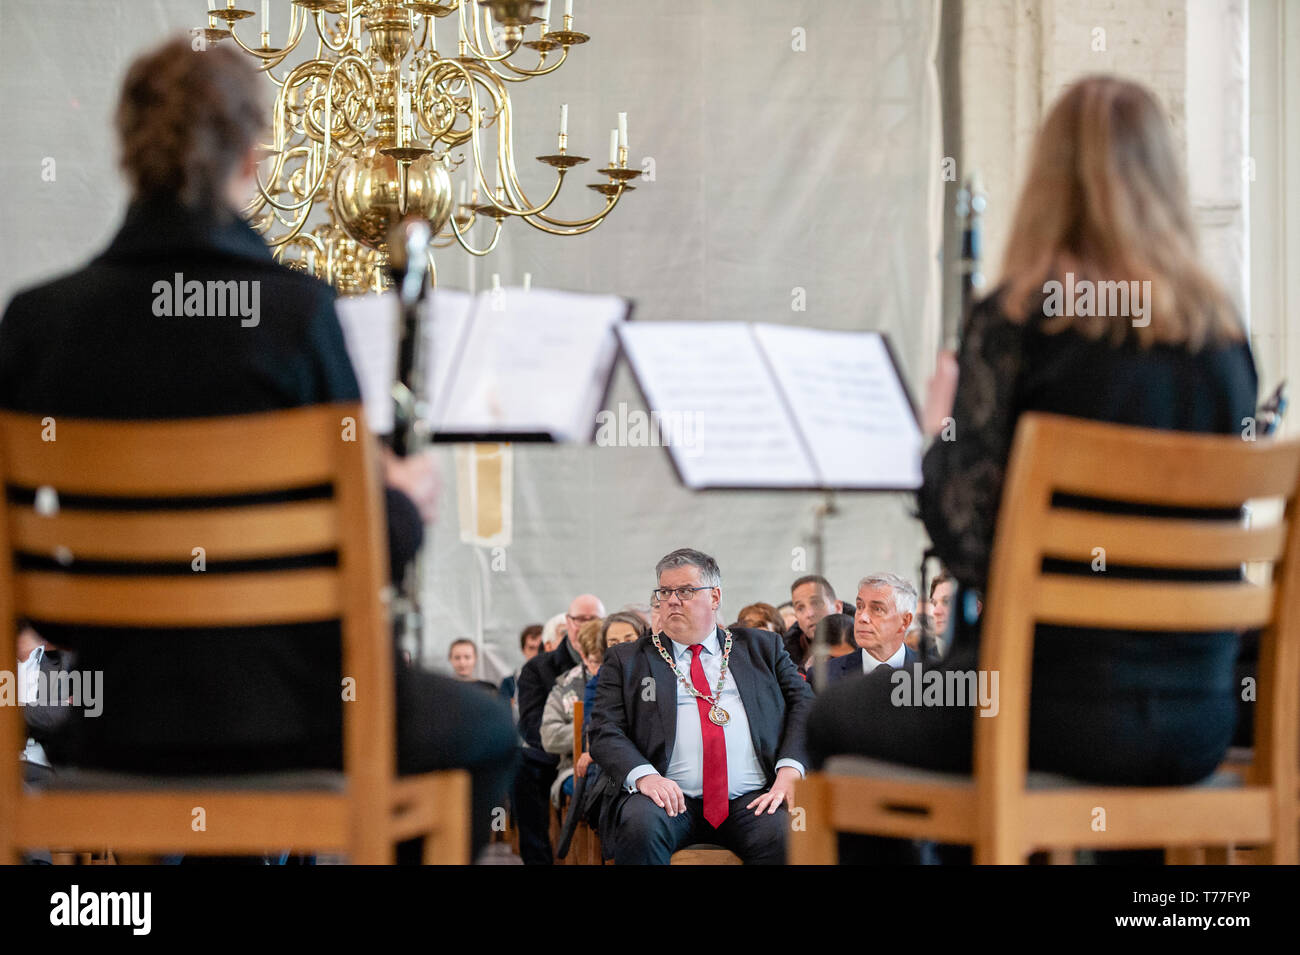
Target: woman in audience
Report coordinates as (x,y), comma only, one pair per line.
(761,616)
(1104,199)
(557,718)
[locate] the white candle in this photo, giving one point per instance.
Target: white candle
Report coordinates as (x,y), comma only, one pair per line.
(266,16)
(622,130)
(546,12)
(404,109)
(613,147)
(564,119)
(464,191)
(528,281)
(496,281)
(568,8)
(212,5)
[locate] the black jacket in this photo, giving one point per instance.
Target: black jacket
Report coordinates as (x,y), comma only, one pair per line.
(850,664)
(89,344)
(626,731)
(535,682)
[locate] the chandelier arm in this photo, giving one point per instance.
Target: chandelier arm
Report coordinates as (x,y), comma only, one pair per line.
(575,231)
(296,24)
(610,203)
(476,46)
(292,233)
(496,235)
(539,70)
(319,18)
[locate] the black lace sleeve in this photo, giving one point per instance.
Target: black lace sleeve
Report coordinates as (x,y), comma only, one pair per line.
(963,469)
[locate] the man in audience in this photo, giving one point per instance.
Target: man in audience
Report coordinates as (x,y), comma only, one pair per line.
(886,606)
(812,598)
(788,616)
(530,644)
(698,753)
(533,784)
(941,591)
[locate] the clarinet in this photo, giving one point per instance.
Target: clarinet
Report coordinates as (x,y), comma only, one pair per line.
(408,262)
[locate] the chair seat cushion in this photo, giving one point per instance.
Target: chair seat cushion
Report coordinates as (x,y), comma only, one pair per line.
(81,780)
(1034,779)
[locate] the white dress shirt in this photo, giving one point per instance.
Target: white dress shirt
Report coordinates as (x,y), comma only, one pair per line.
(29,672)
(686,766)
(869,662)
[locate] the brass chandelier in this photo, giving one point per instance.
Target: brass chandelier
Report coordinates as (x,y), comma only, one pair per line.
(370,129)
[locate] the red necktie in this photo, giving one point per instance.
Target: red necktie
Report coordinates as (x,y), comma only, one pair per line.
(715,748)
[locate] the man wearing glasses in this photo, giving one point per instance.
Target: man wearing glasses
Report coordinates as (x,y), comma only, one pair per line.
(701,729)
(532,795)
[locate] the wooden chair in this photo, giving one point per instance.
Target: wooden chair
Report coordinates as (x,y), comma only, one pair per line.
(585,849)
(362,811)
(1006,812)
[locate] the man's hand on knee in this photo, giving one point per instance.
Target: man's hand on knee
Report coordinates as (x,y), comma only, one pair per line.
(666,794)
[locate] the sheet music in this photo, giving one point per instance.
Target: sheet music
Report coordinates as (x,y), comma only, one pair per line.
(849,403)
(533,361)
(369,325)
(711,378)
(370,331)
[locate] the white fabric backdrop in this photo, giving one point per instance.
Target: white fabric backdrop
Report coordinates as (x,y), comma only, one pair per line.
(775,169)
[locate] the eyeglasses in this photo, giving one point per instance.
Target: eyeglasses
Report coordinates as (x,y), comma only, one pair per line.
(581,620)
(683,593)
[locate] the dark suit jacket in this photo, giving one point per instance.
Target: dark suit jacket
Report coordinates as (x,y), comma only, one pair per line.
(89,345)
(627,730)
(851,664)
(46,717)
(535,682)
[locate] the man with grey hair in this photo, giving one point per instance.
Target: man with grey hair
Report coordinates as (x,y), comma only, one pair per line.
(699,730)
(886,606)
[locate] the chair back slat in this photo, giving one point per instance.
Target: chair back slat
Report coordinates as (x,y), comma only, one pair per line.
(175,458)
(1177,469)
(1068,601)
(224,533)
(198,600)
(1158,542)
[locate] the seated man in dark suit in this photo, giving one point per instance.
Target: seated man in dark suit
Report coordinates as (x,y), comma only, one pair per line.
(700,729)
(885,607)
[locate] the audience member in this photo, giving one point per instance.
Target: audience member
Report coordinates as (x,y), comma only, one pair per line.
(942,589)
(812,598)
(1104,199)
(641,610)
(708,757)
(788,617)
(530,644)
(39,665)
(553,634)
(760,616)
(463,657)
(886,605)
(538,771)
(557,718)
